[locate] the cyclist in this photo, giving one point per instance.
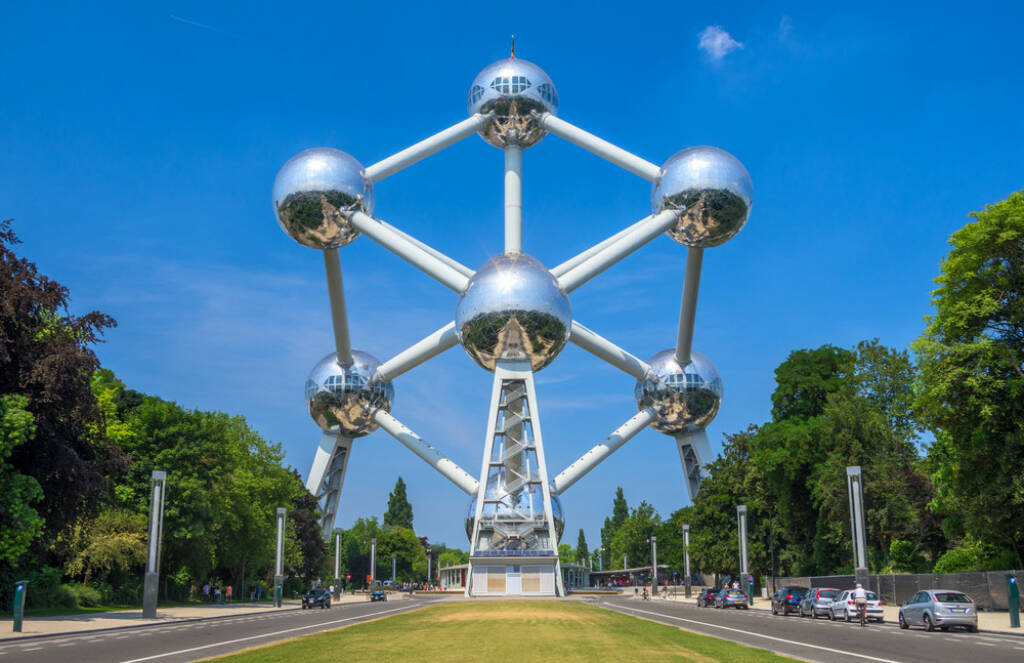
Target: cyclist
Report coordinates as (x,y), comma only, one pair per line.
(860,598)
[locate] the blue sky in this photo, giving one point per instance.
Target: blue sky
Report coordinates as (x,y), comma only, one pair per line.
(139,143)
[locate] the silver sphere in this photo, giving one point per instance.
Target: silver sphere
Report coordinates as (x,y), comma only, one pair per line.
(314,194)
(514,532)
(513,308)
(346,398)
(685,397)
(711,191)
(512,90)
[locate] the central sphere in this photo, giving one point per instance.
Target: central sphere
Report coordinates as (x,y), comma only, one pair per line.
(513,531)
(512,90)
(345,398)
(686,397)
(513,308)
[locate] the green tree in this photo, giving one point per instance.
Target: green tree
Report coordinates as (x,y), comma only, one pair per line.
(620,513)
(410,555)
(20,522)
(972,378)
(582,552)
(115,540)
(399,513)
(632,538)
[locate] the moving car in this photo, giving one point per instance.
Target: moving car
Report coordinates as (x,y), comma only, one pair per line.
(316,597)
(706,598)
(729,598)
(787,599)
(378,595)
(940,608)
(817,601)
(844,607)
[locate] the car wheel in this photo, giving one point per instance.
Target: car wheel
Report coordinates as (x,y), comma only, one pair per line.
(903,622)
(928,625)
(774,611)
(972,629)
(303,606)
(881,620)
(831,615)
(846,616)
(944,628)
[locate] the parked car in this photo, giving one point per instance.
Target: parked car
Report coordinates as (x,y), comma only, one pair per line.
(316,597)
(729,598)
(706,598)
(817,601)
(844,607)
(939,608)
(787,599)
(378,595)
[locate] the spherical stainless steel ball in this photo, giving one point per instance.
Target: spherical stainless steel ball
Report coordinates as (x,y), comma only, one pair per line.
(710,190)
(314,194)
(514,531)
(513,308)
(685,397)
(344,399)
(512,90)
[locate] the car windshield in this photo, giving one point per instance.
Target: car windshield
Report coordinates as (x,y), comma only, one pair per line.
(828,593)
(734,592)
(798,591)
(951,597)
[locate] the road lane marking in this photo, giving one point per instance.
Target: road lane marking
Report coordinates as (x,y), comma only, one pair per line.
(761,635)
(266,635)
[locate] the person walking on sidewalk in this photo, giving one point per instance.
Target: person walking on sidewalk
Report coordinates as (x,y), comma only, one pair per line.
(228,593)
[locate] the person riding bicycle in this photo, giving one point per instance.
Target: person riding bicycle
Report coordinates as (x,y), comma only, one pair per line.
(860,598)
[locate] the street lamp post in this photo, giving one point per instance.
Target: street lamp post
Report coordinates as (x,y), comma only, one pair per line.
(741,516)
(429,565)
(279,561)
(337,562)
(654,565)
(686,556)
(855,490)
(151,583)
(373,563)
(600,564)
(394,566)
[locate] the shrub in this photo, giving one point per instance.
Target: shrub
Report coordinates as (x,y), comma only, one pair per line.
(85,596)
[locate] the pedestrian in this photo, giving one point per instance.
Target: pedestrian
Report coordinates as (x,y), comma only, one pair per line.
(259,592)
(228,593)
(331,590)
(216,594)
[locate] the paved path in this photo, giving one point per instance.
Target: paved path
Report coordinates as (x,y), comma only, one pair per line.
(822,640)
(192,641)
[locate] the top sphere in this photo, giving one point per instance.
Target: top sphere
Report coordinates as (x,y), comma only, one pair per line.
(512,308)
(711,191)
(512,90)
(314,194)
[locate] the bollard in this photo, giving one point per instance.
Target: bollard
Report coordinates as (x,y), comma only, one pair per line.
(19,603)
(750,594)
(1013,594)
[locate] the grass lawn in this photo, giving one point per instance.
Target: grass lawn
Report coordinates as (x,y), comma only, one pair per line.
(505,630)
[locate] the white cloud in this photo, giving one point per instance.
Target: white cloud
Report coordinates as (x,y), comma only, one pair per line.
(785,28)
(717,43)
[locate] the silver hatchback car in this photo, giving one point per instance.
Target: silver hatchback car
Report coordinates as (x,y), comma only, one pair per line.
(817,602)
(939,608)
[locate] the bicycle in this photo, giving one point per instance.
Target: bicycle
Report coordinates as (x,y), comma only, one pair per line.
(862,612)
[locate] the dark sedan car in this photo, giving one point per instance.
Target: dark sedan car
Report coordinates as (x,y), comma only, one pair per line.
(378,595)
(731,598)
(316,597)
(787,599)
(706,598)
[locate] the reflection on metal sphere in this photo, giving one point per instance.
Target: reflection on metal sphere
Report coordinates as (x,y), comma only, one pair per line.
(513,90)
(512,308)
(516,521)
(346,398)
(712,192)
(685,397)
(314,194)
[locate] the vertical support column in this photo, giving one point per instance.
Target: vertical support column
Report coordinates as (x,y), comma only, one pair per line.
(741,516)
(151,585)
(339,317)
(513,199)
(686,557)
(855,489)
(373,563)
(654,566)
(279,560)
(688,308)
(337,562)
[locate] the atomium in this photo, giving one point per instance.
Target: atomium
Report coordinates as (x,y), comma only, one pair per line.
(712,192)
(345,398)
(513,309)
(512,92)
(685,397)
(315,192)
(513,318)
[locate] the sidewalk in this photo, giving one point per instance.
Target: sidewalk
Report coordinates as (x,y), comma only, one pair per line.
(992,622)
(97,621)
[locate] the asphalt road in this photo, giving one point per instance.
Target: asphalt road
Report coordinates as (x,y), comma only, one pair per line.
(192,641)
(825,641)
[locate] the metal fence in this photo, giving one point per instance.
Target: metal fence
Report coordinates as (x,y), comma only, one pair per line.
(987,588)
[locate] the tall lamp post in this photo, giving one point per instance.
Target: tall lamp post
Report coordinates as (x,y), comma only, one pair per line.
(151,586)
(741,516)
(373,563)
(855,489)
(654,565)
(279,561)
(600,565)
(686,557)
(394,566)
(429,565)
(337,562)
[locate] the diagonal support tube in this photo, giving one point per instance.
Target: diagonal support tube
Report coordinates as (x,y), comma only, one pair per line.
(593,458)
(408,251)
(451,262)
(580,257)
(600,147)
(432,456)
(339,317)
(641,234)
(443,339)
(424,148)
(604,349)
(688,309)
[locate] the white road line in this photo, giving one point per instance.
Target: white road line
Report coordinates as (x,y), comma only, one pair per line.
(767,637)
(263,635)
(987,644)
